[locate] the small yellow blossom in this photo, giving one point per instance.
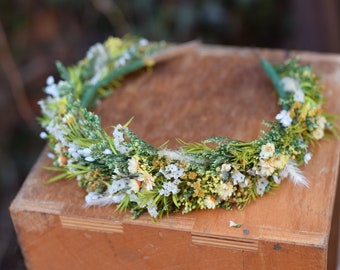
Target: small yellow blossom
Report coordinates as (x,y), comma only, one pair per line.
(198,192)
(192,175)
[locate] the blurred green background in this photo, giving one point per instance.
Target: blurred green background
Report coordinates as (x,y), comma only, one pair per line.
(33,34)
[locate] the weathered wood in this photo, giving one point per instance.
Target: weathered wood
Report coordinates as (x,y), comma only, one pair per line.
(211,91)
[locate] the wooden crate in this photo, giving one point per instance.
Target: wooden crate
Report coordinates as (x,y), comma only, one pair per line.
(211,91)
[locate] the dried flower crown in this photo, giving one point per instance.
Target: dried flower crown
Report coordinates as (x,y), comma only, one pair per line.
(216,173)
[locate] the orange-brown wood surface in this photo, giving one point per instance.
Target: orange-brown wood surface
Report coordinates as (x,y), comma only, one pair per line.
(210,91)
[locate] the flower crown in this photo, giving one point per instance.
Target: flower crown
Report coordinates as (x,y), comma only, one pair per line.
(216,173)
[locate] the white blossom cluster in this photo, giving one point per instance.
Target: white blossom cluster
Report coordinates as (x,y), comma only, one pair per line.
(100,56)
(292,85)
(118,139)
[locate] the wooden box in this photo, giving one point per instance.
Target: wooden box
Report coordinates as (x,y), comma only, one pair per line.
(210,91)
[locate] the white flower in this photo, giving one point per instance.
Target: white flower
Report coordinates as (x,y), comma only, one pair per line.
(117,198)
(134,185)
(299,96)
(89,159)
(143,42)
(148,180)
(267,150)
(307,157)
(96,50)
(116,171)
(133,165)
(225,167)
(85,152)
(118,139)
(284,118)
(290,84)
(238,177)
(321,122)
(244,183)
(50,80)
(95,199)
(152,209)
(73,151)
(265,168)
(100,55)
(261,185)
(210,202)
(50,155)
(43,135)
(168,188)
(276,179)
(45,109)
(318,133)
(118,185)
(225,190)
(92,196)
(293,86)
(107,152)
(172,171)
(51,88)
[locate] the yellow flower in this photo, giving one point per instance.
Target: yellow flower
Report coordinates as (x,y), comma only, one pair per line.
(192,175)
(225,167)
(304,111)
(113,44)
(198,192)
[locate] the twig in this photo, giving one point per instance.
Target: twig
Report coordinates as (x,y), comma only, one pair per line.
(13,76)
(113,14)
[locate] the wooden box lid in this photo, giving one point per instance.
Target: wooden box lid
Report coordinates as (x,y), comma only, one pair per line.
(208,92)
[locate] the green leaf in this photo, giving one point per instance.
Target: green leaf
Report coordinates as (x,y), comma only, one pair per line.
(62,71)
(193,148)
(88,98)
(58,177)
(276,80)
(174,199)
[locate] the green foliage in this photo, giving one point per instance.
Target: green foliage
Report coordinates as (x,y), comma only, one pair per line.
(218,172)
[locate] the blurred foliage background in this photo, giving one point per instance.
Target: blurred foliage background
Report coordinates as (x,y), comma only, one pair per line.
(33,34)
